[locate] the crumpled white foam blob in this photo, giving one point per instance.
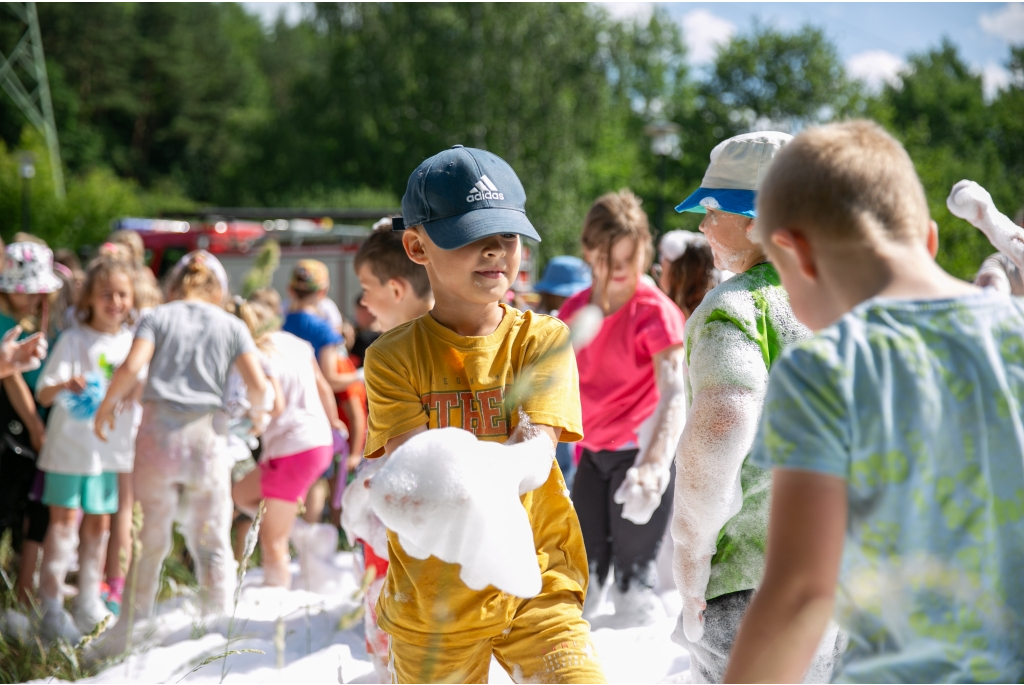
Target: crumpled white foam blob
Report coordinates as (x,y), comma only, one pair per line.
(357,517)
(447,494)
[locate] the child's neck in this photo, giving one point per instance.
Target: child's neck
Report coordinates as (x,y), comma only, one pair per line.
(109,327)
(468,319)
(893,270)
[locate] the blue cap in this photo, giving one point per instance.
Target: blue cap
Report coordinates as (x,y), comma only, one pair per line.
(564,276)
(462,195)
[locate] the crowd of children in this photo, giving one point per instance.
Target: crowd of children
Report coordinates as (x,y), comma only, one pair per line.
(826,424)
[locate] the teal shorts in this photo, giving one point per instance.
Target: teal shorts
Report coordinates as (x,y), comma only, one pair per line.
(92,494)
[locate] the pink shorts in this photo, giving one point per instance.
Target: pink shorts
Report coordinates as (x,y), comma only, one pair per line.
(288,478)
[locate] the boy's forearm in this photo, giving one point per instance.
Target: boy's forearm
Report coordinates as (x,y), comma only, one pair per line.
(778,638)
(791,610)
(718,435)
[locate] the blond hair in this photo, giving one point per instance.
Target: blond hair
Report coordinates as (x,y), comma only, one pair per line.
(614,216)
(846,182)
(196,279)
(260,318)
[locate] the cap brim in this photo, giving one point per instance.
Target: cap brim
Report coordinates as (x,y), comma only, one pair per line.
(459,231)
(729,200)
(560,289)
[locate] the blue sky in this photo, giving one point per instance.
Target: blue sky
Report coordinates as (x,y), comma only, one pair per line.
(873,38)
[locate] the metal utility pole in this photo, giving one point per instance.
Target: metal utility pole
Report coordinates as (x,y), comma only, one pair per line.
(26,61)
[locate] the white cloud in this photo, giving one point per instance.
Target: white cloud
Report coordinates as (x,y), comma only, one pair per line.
(705,33)
(994,77)
(875,67)
(627,11)
(1006,23)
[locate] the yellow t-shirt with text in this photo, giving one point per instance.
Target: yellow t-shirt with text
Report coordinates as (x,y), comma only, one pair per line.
(423,373)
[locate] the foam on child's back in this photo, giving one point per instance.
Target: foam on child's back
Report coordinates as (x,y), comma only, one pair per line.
(447,494)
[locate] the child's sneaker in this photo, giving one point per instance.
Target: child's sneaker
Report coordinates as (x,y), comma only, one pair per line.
(15,626)
(58,626)
(111,595)
(88,612)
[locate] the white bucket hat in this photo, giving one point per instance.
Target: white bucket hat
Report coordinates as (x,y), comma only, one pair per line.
(738,165)
(28,269)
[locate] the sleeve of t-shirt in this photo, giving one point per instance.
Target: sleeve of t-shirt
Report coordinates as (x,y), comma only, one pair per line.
(325,335)
(59,366)
(549,381)
(395,407)
(805,423)
(659,326)
(146,330)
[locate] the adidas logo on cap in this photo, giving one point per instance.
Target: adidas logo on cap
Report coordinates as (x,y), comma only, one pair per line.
(484,190)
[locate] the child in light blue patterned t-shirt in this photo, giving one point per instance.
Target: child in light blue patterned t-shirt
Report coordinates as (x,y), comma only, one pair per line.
(896,434)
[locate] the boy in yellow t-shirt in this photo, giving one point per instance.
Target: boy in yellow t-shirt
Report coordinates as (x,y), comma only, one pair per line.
(471,363)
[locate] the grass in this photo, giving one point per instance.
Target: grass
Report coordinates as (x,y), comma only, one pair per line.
(31,659)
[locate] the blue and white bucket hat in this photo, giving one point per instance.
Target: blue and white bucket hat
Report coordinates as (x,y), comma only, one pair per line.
(738,165)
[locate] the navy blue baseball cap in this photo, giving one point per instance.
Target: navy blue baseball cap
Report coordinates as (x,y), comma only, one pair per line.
(464,194)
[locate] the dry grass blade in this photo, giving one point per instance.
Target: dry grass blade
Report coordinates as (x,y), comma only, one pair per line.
(223,655)
(250,546)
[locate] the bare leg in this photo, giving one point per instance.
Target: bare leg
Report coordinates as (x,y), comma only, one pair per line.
(119,550)
(207,533)
(316,498)
(88,607)
(275,530)
(59,546)
(26,573)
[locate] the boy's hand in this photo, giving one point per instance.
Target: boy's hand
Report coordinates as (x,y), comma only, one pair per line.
(969,201)
(641,493)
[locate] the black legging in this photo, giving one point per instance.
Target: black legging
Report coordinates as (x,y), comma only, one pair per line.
(609,538)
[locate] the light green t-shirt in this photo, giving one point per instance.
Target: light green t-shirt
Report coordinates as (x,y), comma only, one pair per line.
(919,407)
(733,338)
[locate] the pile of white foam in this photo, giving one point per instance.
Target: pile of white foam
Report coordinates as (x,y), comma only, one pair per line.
(447,494)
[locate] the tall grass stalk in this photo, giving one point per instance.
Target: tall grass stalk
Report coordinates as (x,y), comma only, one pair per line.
(250,546)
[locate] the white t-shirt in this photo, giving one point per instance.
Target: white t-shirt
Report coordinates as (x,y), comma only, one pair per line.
(71,445)
(303,425)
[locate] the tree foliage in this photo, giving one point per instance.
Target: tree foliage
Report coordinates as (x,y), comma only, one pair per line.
(161,103)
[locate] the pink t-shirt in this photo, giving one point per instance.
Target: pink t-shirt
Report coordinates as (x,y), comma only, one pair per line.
(617,388)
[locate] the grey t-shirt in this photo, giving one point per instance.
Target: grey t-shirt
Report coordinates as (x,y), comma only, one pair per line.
(195,343)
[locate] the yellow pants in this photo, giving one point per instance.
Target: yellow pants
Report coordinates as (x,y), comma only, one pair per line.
(547,642)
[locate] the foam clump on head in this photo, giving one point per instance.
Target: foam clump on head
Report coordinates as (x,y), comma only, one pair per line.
(446,494)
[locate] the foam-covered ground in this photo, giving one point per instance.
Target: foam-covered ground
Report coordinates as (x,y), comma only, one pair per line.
(298,633)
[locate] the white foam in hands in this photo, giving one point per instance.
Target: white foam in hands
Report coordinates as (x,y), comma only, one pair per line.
(447,494)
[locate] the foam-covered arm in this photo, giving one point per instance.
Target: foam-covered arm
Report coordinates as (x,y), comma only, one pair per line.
(641,492)
(728,377)
(971,202)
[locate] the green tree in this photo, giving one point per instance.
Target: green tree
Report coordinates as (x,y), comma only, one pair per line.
(939,112)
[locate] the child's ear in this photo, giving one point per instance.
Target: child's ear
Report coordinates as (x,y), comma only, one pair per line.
(398,287)
(933,238)
(799,249)
(414,246)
